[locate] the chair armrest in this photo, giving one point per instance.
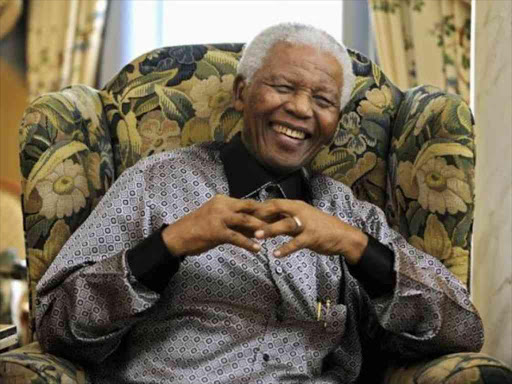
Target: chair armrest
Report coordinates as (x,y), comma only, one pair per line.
(457,368)
(431,179)
(29,364)
(61,125)
(63,136)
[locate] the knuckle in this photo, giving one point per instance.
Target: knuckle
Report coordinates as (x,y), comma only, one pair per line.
(300,242)
(219,199)
(287,247)
(225,234)
(245,218)
(214,201)
(234,236)
(269,230)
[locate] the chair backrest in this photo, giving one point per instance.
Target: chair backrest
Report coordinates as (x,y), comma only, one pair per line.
(179,96)
(411,153)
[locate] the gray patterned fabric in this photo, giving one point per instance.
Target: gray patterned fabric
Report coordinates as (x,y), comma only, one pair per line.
(229,316)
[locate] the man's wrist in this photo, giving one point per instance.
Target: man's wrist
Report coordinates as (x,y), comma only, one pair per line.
(375,269)
(173,242)
(358,245)
(151,262)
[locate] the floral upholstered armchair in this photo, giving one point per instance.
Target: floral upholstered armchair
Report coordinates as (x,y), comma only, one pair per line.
(411,153)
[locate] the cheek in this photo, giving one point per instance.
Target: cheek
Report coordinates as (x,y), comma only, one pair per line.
(265,103)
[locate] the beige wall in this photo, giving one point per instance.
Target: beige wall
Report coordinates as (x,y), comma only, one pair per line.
(492,96)
(13,101)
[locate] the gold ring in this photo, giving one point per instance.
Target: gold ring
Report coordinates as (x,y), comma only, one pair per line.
(298,222)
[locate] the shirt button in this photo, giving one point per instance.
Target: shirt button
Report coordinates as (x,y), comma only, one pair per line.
(279,270)
(266,357)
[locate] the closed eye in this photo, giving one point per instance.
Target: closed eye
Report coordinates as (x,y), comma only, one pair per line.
(283,88)
(323,101)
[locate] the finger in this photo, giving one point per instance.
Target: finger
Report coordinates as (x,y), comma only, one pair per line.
(269,214)
(246,232)
(293,245)
(285,226)
(246,205)
(236,238)
(234,204)
(244,221)
(270,218)
(271,209)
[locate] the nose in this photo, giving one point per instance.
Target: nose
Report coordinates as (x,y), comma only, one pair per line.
(299,104)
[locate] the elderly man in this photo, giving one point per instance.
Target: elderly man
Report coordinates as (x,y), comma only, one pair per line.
(230,263)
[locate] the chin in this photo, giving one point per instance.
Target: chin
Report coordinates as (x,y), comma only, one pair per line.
(280,168)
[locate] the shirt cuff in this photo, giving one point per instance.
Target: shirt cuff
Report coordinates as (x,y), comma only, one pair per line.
(375,269)
(151,262)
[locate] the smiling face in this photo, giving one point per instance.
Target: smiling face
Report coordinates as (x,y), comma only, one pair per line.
(291,106)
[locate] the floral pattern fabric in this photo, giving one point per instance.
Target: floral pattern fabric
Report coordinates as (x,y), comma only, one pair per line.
(63,43)
(30,365)
(410,152)
(425,42)
(457,368)
(65,145)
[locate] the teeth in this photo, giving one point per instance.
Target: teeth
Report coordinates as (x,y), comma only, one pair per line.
(289,132)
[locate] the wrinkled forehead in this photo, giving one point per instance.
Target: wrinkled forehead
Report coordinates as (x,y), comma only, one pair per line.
(308,60)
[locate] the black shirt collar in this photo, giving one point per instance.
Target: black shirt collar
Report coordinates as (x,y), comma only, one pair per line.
(246,175)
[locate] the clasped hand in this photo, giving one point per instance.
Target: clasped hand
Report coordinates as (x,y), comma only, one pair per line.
(246,222)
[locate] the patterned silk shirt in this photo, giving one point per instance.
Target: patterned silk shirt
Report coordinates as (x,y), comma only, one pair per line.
(231,316)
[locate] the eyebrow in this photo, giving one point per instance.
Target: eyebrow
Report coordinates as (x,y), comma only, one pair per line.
(277,77)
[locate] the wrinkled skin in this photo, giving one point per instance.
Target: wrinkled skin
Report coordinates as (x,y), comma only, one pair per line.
(291,110)
(297,87)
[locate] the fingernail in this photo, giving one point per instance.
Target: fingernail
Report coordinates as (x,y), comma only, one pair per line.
(256,247)
(259,233)
(277,253)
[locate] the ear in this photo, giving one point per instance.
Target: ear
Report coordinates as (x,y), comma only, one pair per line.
(239,87)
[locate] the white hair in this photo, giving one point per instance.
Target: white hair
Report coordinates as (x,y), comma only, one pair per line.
(300,34)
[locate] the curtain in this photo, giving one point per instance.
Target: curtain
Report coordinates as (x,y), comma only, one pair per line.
(357,28)
(10,11)
(424,42)
(63,43)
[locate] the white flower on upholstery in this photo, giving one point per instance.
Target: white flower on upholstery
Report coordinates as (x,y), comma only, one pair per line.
(212,96)
(442,187)
(64,190)
(158,133)
(351,133)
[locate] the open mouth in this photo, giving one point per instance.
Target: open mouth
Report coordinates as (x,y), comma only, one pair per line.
(290,132)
